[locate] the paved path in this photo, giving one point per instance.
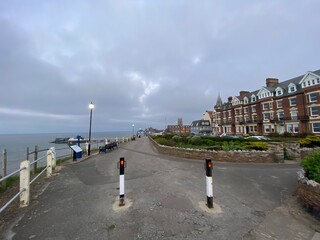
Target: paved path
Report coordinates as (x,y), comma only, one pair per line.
(165,199)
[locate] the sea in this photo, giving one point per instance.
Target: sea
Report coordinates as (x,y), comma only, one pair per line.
(16,145)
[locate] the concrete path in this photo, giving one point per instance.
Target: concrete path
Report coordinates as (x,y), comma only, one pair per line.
(165,199)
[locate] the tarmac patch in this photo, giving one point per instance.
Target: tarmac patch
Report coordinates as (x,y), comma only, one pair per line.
(117,208)
(215,210)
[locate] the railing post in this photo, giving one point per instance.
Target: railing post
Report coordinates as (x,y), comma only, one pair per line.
(4,167)
(49,163)
(54,158)
(27,156)
(35,157)
(25,183)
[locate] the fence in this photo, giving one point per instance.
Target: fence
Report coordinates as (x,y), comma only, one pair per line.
(27,167)
(26,181)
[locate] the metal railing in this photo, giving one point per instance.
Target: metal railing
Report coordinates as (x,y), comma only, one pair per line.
(25,181)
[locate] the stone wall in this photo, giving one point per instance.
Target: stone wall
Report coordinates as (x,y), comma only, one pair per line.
(309,193)
(293,151)
(307,151)
(225,156)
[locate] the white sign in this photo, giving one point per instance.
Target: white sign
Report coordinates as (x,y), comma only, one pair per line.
(76,148)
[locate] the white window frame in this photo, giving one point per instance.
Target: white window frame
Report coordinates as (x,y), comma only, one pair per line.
(312,94)
(292,88)
(279,101)
(312,109)
(290,99)
(253,109)
(265,116)
(279,117)
(267,128)
(313,127)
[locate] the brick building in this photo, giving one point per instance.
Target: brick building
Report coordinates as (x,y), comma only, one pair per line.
(179,128)
(290,106)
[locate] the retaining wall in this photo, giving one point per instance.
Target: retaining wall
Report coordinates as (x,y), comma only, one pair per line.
(309,193)
(273,155)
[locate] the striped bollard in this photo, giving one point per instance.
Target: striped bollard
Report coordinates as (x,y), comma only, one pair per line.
(208,167)
(122,165)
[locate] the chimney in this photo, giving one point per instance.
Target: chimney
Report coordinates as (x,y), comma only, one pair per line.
(271,82)
(230,99)
(243,93)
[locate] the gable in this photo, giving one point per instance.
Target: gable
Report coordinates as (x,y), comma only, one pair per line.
(235,101)
(263,93)
(310,79)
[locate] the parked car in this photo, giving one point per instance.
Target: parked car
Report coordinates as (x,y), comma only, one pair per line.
(258,138)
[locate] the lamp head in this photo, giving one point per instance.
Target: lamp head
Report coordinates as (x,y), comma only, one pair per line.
(91,106)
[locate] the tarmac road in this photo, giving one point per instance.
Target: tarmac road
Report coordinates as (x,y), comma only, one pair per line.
(165,199)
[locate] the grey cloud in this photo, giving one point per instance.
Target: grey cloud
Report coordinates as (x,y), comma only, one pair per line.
(57,56)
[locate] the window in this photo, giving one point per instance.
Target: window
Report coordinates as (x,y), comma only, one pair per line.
(247,118)
(246,110)
(313,97)
(265,106)
(253,109)
(271,116)
(253,99)
(245,100)
(270,105)
(292,88)
(254,118)
(293,101)
(295,127)
(280,116)
(314,111)
(289,128)
(279,91)
(267,129)
(279,104)
(265,116)
(316,127)
(294,114)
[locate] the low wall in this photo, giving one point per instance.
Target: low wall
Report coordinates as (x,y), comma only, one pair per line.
(225,156)
(309,193)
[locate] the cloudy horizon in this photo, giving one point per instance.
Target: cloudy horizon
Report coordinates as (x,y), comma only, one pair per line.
(140,62)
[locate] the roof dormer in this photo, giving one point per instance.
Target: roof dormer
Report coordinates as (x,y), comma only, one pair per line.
(246,100)
(292,88)
(279,91)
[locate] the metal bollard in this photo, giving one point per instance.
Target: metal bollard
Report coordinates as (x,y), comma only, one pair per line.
(121,165)
(209,185)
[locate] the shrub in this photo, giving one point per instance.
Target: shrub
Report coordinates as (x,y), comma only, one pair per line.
(311,165)
(177,138)
(262,146)
(163,141)
(274,134)
(286,134)
(195,140)
(311,141)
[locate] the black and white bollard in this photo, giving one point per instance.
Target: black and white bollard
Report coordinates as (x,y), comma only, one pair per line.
(208,167)
(122,164)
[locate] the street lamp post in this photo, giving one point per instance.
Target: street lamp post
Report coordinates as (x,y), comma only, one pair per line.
(91,106)
(132,131)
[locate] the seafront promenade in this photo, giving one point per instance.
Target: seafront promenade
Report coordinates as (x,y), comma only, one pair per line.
(164,199)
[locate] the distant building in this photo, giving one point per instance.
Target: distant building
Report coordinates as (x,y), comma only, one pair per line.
(201,128)
(179,128)
(208,115)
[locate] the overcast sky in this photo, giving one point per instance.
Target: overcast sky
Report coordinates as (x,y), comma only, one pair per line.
(143,62)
